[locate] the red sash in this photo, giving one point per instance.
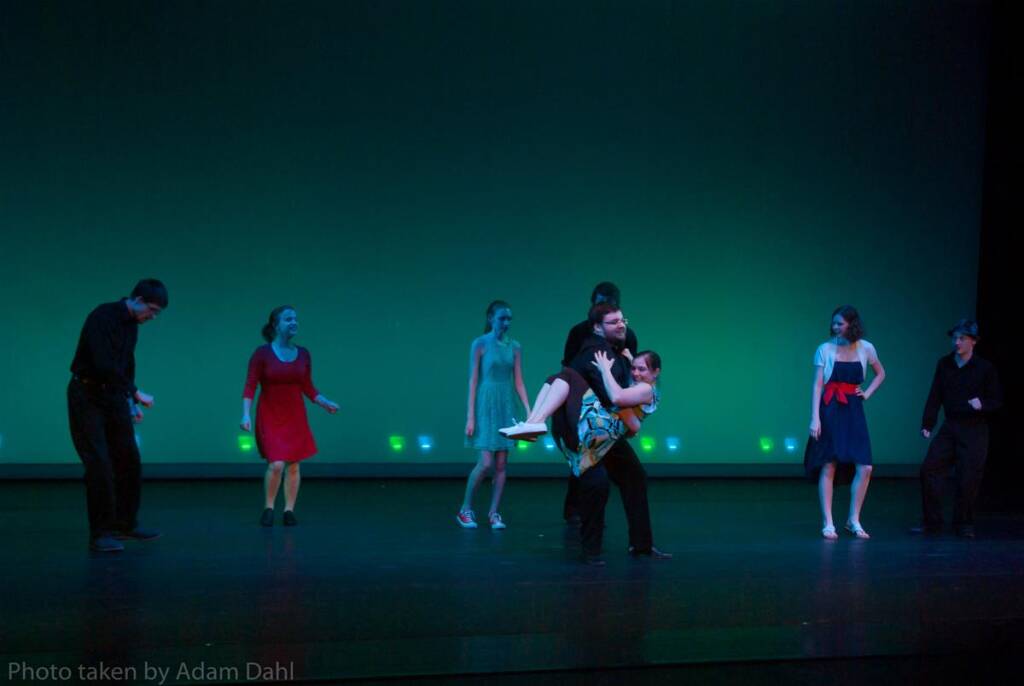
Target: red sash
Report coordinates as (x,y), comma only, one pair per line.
(839,389)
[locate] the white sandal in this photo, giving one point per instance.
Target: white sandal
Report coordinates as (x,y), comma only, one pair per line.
(829,532)
(857,530)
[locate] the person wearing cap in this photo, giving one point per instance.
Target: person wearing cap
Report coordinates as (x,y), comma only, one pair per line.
(967,388)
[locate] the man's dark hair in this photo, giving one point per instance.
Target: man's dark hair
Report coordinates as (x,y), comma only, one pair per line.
(597,312)
(152,292)
(608,291)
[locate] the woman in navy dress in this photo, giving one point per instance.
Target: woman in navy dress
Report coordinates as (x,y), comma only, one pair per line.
(839,443)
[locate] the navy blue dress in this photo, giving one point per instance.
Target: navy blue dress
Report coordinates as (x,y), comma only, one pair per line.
(844,429)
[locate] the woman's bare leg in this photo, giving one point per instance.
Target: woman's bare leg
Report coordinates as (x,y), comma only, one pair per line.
(291,488)
(828,473)
(483,465)
(271,483)
(541,395)
(548,401)
(498,480)
(858,491)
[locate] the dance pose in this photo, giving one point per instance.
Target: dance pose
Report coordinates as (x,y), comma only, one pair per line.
(587,440)
(839,443)
(495,379)
(605,291)
(967,388)
(103,401)
(620,463)
(284,373)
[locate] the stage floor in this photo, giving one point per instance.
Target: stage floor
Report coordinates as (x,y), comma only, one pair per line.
(379,582)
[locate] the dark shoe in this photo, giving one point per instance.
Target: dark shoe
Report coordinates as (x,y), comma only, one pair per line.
(289,518)
(137,534)
(267,518)
(653,553)
(105,544)
(925,530)
(965,531)
(593,561)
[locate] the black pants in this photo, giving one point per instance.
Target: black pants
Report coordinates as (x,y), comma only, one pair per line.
(622,467)
(571,506)
(965,447)
(104,437)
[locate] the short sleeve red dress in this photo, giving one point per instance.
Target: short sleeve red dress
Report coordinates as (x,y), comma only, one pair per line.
(282,427)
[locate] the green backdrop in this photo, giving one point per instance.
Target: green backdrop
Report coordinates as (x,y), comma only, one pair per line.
(739,169)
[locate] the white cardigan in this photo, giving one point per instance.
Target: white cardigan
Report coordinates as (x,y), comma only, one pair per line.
(825,356)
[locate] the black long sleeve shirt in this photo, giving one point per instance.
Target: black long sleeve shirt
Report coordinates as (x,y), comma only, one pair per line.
(582,364)
(106,348)
(953,386)
(578,333)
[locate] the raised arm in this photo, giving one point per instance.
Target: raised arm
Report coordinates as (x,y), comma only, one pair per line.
(638,394)
(310,390)
(876,364)
(991,397)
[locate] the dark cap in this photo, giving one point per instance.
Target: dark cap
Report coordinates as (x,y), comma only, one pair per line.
(967,327)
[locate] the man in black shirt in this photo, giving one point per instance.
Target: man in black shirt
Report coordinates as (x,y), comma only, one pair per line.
(103,401)
(966,387)
(608,292)
(620,464)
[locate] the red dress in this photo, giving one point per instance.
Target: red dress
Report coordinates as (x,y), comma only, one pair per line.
(282,429)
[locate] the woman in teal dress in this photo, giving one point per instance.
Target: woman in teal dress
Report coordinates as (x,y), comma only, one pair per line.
(495,379)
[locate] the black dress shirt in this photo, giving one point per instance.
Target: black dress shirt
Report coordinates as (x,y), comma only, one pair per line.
(582,364)
(953,386)
(105,355)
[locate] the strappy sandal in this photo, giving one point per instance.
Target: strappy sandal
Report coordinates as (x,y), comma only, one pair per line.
(829,532)
(857,530)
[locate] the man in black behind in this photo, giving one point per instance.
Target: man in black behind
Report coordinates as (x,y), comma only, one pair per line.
(620,464)
(103,401)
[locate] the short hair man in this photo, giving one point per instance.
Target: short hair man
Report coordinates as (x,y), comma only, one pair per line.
(604,292)
(103,401)
(620,464)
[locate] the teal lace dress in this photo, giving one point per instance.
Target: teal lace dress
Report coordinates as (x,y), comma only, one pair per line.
(497,404)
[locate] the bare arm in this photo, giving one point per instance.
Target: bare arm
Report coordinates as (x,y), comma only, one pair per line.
(629,418)
(638,394)
(875,382)
(517,374)
(252,380)
(246,422)
(816,388)
(475,352)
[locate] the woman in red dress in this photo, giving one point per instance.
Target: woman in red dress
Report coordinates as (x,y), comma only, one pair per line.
(283,371)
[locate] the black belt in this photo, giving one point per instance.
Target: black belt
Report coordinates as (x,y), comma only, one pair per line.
(92,383)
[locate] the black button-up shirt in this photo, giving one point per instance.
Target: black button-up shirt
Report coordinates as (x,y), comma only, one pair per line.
(953,386)
(582,364)
(106,349)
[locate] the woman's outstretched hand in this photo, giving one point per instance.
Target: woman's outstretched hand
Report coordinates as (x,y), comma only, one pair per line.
(602,361)
(815,429)
(470,426)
